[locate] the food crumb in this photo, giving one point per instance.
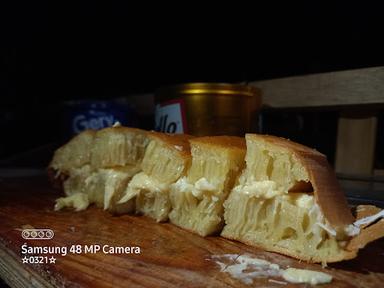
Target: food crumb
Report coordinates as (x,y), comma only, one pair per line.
(177,147)
(277,282)
(27,226)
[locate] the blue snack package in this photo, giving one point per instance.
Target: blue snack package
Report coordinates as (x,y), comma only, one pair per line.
(96,114)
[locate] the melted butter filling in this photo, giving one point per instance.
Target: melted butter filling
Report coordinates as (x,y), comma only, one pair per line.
(198,189)
(142,181)
(78,201)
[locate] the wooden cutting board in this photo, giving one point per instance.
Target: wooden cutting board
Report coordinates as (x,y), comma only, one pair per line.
(170,256)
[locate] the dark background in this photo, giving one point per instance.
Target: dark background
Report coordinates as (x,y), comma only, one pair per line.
(51,54)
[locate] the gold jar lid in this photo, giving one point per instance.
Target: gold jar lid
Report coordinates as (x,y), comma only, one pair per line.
(167,93)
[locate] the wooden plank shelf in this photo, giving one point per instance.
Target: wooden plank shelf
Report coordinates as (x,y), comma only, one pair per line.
(350,87)
(357,93)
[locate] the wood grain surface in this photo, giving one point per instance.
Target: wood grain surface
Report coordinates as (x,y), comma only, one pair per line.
(170,256)
(349,87)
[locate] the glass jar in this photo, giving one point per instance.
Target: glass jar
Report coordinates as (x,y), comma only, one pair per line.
(207,109)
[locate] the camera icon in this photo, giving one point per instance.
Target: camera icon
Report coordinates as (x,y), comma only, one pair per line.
(37,234)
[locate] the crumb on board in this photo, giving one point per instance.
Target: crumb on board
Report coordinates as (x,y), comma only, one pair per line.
(25,226)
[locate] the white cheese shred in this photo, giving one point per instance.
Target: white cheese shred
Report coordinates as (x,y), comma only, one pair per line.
(370,219)
(246,268)
(294,275)
(354,228)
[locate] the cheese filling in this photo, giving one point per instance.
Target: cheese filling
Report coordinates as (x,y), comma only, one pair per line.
(294,275)
(149,195)
(261,189)
(354,229)
(142,181)
(197,206)
(115,182)
(78,201)
(198,189)
(247,268)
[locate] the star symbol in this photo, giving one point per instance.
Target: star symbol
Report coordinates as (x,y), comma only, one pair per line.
(24,259)
(52,260)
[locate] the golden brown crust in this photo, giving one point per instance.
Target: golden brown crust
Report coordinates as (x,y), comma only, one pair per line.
(177,142)
(367,235)
(328,194)
(223,142)
(121,129)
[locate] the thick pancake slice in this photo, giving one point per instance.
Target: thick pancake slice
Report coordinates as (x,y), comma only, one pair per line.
(70,165)
(166,159)
(197,199)
(287,200)
(99,164)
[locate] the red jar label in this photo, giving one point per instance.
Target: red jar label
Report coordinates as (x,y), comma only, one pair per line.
(170,117)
